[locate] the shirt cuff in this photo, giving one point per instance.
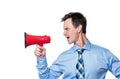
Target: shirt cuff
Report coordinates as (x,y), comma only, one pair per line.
(42,60)
(42,63)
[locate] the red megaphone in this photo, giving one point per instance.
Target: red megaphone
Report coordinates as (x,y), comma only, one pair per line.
(32,39)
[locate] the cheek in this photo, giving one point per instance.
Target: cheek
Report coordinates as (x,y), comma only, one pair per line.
(74,35)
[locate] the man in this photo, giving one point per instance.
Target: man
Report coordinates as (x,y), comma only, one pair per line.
(82,61)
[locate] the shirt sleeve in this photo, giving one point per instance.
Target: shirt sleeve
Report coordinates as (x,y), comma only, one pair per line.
(44,71)
(114,65)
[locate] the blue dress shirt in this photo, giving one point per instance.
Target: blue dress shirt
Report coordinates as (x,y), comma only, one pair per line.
(97,61)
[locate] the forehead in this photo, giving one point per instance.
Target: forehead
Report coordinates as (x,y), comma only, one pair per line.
(68,23)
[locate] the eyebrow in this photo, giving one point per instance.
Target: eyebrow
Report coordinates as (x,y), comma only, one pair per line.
(66,28)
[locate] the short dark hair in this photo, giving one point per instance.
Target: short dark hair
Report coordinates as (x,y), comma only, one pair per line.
(77,19)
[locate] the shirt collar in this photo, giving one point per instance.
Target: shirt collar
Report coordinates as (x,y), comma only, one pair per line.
(87,46)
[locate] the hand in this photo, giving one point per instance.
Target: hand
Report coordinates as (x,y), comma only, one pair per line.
(40,51)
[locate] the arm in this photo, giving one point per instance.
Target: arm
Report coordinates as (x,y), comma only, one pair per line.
(44,71)
(114,65)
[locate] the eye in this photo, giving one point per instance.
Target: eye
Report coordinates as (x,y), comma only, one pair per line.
(67,29)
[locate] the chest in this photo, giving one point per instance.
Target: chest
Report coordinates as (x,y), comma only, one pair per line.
(69,64)
(94,63)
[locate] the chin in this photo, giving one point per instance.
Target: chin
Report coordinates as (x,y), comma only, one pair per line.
(70,42)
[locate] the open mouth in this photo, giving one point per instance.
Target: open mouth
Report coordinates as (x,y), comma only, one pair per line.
(67,37)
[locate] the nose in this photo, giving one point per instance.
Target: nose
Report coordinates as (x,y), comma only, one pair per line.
(64,33)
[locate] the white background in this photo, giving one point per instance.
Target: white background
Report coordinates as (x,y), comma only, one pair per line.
(43,17)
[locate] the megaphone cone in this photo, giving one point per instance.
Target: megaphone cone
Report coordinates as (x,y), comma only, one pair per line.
(33,39)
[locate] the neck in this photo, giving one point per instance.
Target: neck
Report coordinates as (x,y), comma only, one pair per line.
(82,39)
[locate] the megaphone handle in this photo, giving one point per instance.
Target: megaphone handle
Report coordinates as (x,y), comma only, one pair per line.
(40,44)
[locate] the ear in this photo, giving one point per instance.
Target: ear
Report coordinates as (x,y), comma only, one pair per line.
(79,28)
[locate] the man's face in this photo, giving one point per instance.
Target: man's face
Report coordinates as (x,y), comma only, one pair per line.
(70,32)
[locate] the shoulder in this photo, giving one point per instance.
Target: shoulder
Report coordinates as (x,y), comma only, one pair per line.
(102,51)
(99,48)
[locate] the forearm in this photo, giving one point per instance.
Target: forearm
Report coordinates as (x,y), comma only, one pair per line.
(42,67)
(45,72)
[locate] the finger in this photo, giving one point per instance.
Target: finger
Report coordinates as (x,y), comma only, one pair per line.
(37,53)
(40,47)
